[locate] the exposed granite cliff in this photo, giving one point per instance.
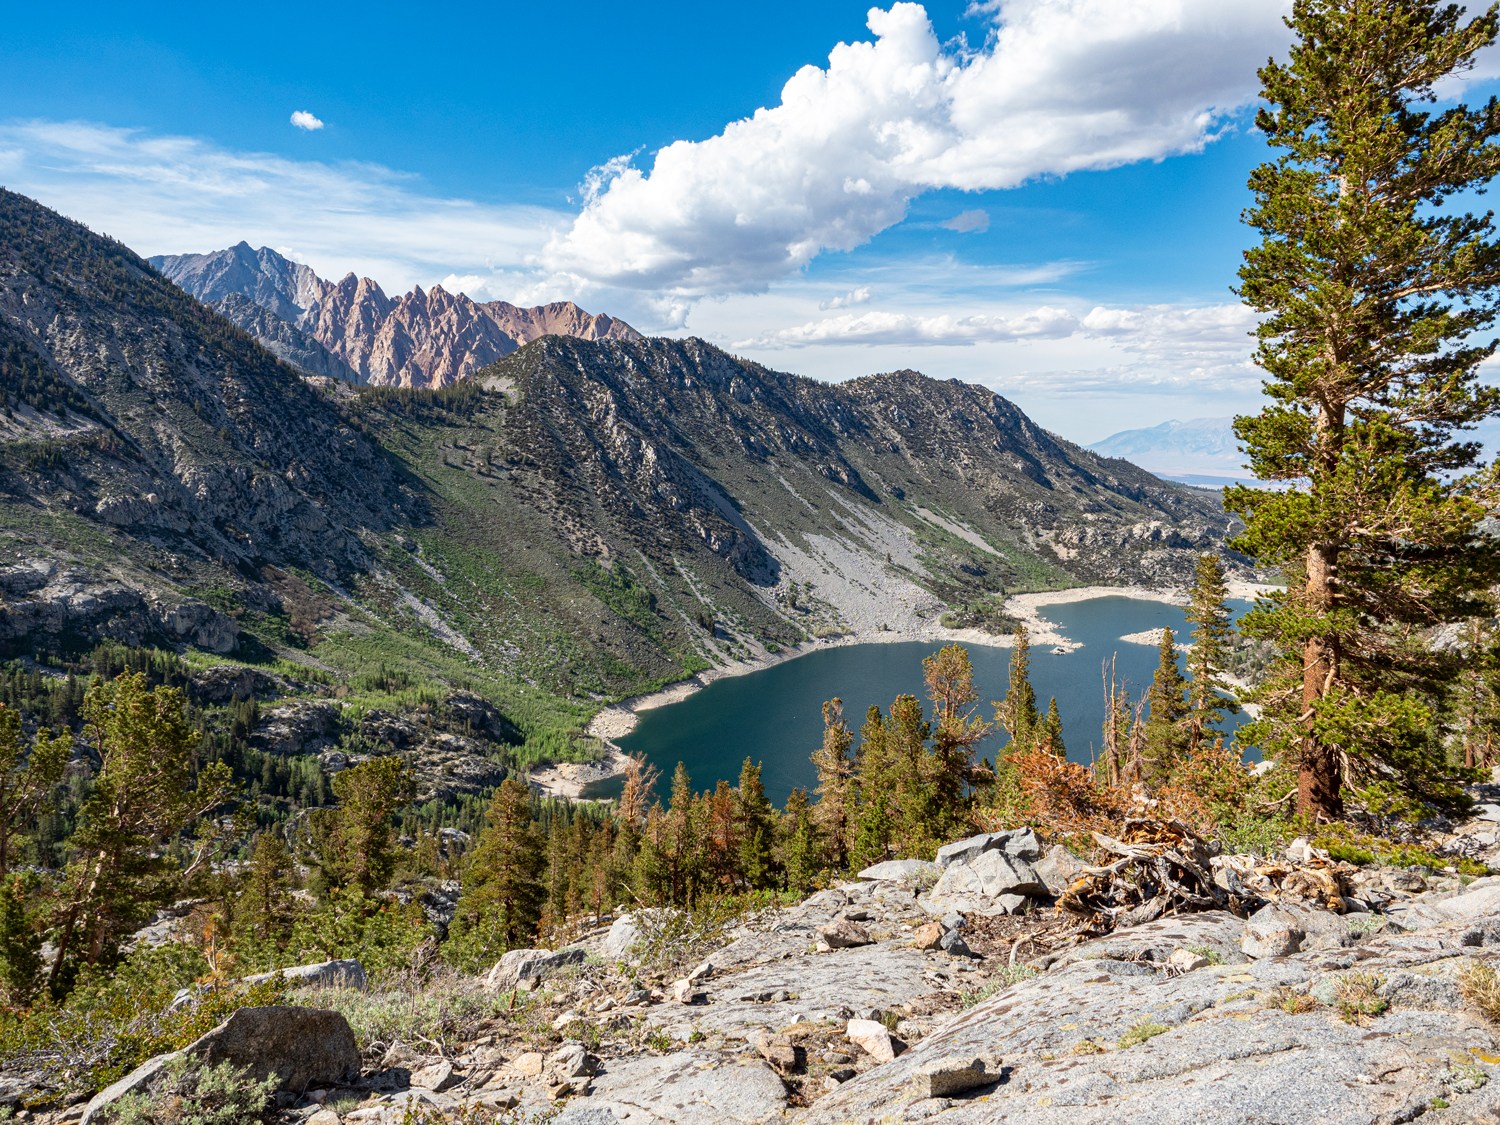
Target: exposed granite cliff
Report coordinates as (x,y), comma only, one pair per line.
(350,328)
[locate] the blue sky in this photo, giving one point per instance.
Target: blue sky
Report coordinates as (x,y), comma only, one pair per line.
(1048,205)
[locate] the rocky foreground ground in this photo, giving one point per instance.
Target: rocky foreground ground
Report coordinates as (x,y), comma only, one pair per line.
(951,991)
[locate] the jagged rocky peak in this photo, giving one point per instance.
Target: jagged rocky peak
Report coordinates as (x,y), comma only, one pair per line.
(352,330)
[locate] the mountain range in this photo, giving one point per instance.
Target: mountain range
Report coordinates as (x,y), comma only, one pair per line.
(581,519)
(1201,451)
(351,330)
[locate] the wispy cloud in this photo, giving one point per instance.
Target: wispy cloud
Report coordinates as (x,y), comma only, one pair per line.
(304,120)
(1173,341)
(968,222)
(171,194)
(1057,88)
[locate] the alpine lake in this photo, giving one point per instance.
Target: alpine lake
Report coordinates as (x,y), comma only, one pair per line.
(774,716)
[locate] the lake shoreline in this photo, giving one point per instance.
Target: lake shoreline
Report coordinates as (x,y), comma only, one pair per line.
(616,720)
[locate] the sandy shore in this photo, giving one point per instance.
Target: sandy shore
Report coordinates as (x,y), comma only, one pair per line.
(619,719)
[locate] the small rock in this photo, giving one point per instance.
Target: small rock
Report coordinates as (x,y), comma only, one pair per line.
(1186,961)
(571,1061)
(844,934)
(564,1019)
(873,1039)
(437,1077)
(929,936)
(781,1052)
(950,942)
(530,1064)
(943,1078)
(702,972)
(323,1117)
(684,992)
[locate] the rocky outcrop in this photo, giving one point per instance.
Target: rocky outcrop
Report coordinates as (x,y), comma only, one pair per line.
(1181,1019)
(351,330)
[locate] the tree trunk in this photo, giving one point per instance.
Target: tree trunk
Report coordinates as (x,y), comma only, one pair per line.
(1318,780)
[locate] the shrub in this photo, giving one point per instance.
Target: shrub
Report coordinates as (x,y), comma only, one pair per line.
(186,1094)
(1356,995)
(1479,984)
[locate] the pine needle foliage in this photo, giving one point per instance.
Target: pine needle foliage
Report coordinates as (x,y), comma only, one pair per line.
(1375,287)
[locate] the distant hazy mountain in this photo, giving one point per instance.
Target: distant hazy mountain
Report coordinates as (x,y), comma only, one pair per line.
(350,329)
(1201,451)
(1204,451)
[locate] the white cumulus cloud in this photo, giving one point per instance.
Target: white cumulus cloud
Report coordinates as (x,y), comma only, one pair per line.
(1060,86)
(857,296)
(304,120)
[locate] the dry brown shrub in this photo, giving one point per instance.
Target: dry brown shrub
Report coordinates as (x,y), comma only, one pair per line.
(1480,985)
(1065,796)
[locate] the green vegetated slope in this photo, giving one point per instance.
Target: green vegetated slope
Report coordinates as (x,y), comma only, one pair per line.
(582,520)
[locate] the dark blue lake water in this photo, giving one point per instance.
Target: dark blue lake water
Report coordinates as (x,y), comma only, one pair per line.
(775,716)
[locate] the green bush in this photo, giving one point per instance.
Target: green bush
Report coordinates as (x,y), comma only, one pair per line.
(188,1094)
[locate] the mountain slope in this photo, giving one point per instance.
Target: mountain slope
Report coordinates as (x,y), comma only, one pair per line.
(588,518)
(350,329)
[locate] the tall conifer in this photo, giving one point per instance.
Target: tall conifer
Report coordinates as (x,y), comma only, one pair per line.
(1376,287)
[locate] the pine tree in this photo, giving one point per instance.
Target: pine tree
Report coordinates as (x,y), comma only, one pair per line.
(756,837)
(1376,287)
(20,943)
(1016,714)
(834,811)
(355,841)
(801,850)
(30,770)
(503,892)
(684,850)
(262,909)
(1049,732)
(1476,696)
(1166,736)
(949,675)
(872,826)
(147,793)
(1208,612)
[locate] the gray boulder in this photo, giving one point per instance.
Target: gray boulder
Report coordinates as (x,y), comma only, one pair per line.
(1282,928)
(901,871)
(1217,933)
(332,974)
(1019,843)
(529,967)
(682,1088)
(300,1047)
(978,884)
(1057,869)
